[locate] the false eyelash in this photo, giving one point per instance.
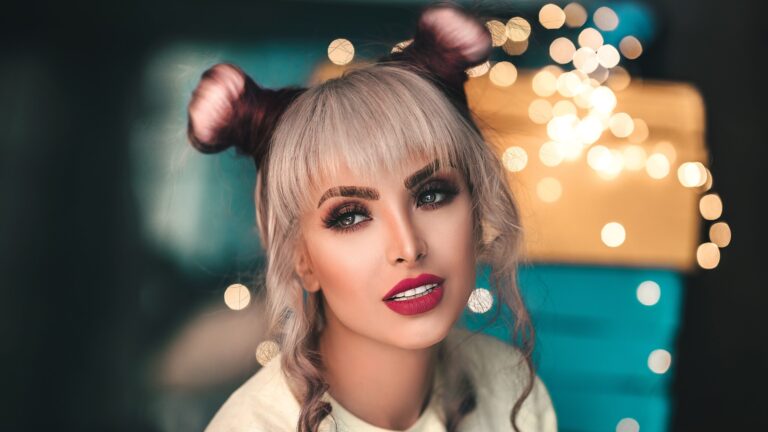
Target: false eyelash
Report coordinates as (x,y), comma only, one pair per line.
(332,221)
(443,186)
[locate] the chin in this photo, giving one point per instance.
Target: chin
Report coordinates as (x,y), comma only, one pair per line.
(423,333)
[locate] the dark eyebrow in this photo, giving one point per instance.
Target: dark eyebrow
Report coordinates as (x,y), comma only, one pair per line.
(410,182)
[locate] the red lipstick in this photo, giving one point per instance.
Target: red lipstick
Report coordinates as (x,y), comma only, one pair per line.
(415,295)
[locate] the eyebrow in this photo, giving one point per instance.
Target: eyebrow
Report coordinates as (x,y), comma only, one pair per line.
(410,182)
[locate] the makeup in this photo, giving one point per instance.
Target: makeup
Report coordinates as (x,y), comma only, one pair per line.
(416,295)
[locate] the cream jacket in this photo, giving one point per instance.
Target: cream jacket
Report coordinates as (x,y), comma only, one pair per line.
(264,403)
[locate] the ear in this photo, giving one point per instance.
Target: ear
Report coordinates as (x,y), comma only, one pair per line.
(305,270)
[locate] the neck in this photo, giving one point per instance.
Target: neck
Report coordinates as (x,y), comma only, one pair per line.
(355,365)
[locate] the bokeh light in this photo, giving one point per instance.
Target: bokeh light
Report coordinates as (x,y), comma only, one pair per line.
(575,15)
(657,166)
(515,48)
(479,70)
(667,149)
(720,234)
(659,361)
(540,111)
(692,174)
(648,293)
(621,125)
(498,32)
(603,99)
(551,16)
(550,154)
(634,157)
(515,158)
(708,255)
(503,74)
(561,50)
(640,132)
(711,206)
(613,234)
(585,59)
(544,83)
(518,29)
(563,107)
(549,189)
(628,424)
(630,47)
(608,56)
(605,19)
(341,51)
(237,296)
(590,38)
(266,351)
(618,79)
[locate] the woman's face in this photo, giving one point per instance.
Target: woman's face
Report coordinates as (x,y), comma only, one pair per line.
(363,239)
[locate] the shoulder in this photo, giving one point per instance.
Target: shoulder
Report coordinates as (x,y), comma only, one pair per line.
(500,374)
(263,403)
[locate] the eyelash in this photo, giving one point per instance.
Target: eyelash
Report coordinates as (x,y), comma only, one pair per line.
(333,221)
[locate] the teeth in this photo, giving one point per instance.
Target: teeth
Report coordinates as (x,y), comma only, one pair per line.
(414,292)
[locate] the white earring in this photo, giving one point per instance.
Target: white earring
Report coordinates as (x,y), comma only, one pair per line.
(480,301)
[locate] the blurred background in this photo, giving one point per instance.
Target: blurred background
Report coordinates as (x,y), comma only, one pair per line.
(632,131)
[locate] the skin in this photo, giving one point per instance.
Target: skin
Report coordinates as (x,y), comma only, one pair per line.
(365,345)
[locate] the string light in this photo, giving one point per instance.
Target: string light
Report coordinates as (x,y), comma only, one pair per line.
(657,166)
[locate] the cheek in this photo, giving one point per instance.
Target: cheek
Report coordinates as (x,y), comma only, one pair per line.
(344,265)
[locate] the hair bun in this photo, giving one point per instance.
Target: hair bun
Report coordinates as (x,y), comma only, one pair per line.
(458,33)
(447,42)
(229,109)
(213,109)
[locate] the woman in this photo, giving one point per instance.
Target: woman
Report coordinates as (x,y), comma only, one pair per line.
(376,198)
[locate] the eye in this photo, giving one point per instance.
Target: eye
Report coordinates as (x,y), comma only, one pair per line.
(347,218)
(437,194)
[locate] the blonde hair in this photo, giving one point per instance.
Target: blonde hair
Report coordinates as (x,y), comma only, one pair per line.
(374,117)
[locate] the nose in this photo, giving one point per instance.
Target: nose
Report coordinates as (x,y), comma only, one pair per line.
(406,243)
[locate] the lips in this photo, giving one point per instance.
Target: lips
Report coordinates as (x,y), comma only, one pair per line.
(406,284)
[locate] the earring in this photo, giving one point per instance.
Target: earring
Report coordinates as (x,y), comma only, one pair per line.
(480,300)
